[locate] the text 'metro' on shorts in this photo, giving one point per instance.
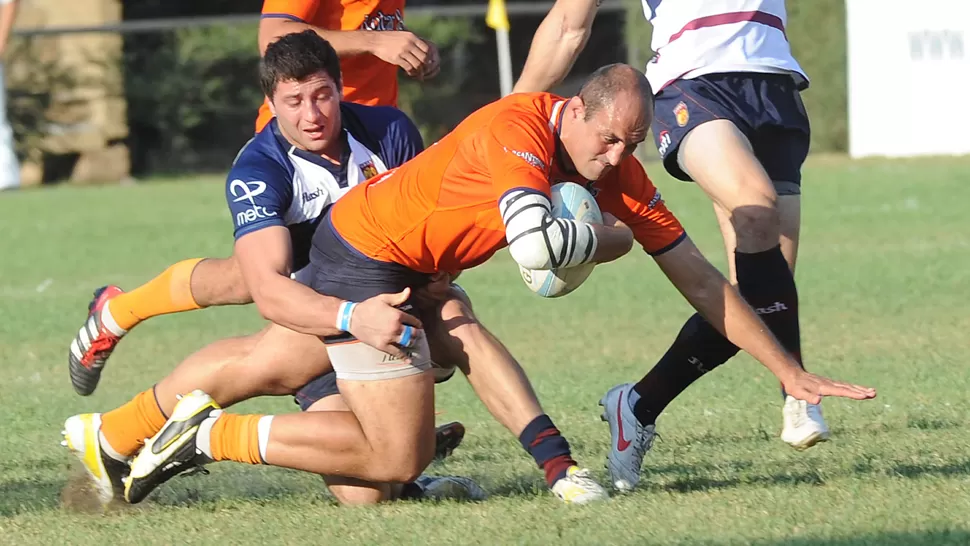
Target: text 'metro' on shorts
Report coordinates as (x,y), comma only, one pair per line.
(339,270)
(767,108)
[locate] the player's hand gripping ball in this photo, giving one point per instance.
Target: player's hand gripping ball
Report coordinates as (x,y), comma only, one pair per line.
(573,202)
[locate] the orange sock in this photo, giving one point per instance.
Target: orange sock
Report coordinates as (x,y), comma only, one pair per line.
(170,292)
(237,438)
(126,428)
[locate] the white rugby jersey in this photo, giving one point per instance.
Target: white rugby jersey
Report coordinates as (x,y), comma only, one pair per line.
(696,37)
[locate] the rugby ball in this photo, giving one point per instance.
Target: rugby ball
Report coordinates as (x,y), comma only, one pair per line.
(573,202)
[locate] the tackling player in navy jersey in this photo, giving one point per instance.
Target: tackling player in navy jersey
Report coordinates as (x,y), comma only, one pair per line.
(315,149)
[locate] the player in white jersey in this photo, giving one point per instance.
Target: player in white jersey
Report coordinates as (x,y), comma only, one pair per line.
(730,118)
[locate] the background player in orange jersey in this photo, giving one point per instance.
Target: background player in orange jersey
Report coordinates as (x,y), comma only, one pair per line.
(369,36)
(481,188)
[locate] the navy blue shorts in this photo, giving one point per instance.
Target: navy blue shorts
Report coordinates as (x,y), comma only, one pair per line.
(767,108)
(339,270)
(318,389)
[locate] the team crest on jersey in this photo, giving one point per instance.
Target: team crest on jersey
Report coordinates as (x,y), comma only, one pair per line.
(381,21)
(681,114)
(369,170)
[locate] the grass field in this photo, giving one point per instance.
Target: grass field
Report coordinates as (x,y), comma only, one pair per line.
(884,281)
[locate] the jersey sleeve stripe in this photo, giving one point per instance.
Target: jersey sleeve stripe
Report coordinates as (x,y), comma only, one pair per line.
(529,231)
(588,255)
(520,210)
(671,246)
(546,224)
(569,240)
(525,191)
(286,16)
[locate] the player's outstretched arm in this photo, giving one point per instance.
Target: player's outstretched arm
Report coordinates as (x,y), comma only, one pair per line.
(718,302)
(265,257)
(556,45)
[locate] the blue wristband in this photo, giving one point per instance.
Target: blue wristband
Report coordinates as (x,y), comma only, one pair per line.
(406,336)
(344,314)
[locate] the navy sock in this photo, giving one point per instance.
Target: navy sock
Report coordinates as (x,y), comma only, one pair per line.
(698,349)
(766,282)
(547,446)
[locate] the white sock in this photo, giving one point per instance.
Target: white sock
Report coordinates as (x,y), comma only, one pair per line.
(108,321)
(262,429)
(203,438)
(110,451)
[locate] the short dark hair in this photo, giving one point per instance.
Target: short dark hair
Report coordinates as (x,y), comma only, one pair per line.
(297,56)
(603,86)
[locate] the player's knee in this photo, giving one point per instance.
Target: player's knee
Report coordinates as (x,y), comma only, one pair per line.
(401,467)
(403,464)
(349,495)
(757,227)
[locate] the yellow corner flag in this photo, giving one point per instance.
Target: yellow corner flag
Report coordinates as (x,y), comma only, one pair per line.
(497,18)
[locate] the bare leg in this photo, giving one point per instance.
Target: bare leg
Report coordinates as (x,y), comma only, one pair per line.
(219,281)
(276,361)
(352,491)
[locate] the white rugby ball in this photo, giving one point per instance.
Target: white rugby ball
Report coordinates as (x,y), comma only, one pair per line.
(573,202)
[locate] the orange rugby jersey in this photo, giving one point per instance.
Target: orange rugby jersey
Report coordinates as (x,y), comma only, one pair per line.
(366,79)
(440,212)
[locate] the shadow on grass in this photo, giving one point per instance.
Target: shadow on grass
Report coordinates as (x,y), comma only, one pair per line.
(938,537)
(694,478)
(760,434)
(24,496)
(37,495)
(695,483)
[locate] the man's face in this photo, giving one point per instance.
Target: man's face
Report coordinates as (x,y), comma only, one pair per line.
(611,133)
(308,112)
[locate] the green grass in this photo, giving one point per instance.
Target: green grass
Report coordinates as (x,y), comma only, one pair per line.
(884,280)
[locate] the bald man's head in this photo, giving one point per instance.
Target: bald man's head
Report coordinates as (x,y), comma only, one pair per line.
(614,82)
(607,119)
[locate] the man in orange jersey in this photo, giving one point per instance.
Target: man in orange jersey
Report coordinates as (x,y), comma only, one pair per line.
(484,186)
(371,41)
(369,36)
(276,190)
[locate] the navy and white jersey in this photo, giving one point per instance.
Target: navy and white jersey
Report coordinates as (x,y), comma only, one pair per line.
(273,183)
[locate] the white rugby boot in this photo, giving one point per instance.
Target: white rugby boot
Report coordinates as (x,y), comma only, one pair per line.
(803,424)
(173,449)
(578,487)
(107,469)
